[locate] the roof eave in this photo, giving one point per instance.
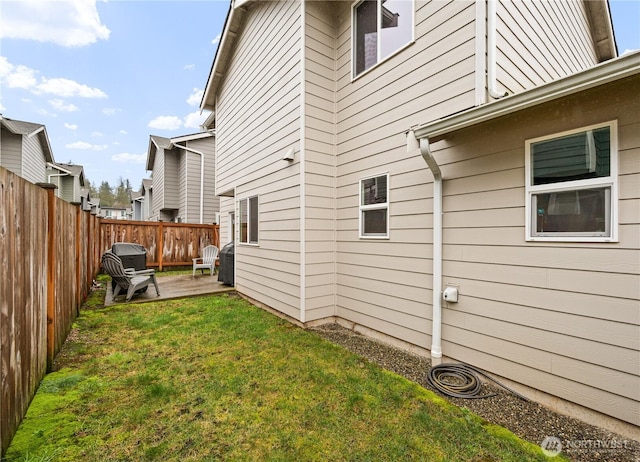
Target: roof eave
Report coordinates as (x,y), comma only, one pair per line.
(620,68)
(233,24)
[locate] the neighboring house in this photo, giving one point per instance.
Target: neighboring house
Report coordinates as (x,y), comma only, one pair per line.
(25,149)
(70,181)
(94,206)
(147,198)
(337,217)
(183,178)
(137,206)
(115,212)
(85,199)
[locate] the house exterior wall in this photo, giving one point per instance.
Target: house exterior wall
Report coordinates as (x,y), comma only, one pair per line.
(257,121)
(183,172)
(538,42)
(211,202)
(34,164)
(385,284)
(11,151)
(561,317)
(319,160)
(171,168)
(157,201)
(166,200)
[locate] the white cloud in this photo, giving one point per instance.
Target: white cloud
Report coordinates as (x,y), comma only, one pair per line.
(123,132)
(67,88)
(110,111)
(195,119)
(190,67)
(86,146)
(166,123)
(68,23)
(216,39)
(71,126)
(628,50)
(195,97)
(131,158)
(23,77)
(96,133)
(62,106)
(2,108)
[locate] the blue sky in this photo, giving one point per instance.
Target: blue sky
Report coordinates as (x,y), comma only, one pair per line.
(103,76)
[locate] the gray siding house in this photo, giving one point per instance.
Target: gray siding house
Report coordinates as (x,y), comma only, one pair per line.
(25,149)
(325,115)
(70,182)
(183,174)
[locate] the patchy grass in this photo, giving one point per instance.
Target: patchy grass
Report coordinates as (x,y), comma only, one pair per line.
(215,378)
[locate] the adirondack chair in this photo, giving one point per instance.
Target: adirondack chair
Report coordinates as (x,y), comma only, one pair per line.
(127,280)
(207,261)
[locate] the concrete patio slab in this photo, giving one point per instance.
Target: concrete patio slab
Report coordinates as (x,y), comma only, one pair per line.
(173,287)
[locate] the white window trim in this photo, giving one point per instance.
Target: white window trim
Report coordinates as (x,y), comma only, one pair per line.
(364,208)
(379,61)
(239,220)
(611,181)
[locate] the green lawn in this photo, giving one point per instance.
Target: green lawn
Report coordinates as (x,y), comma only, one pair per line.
(215,378)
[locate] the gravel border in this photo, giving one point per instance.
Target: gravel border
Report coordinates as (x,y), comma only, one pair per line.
(529,420)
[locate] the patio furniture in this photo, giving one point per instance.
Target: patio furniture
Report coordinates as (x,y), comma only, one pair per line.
(207,261)
(127,280)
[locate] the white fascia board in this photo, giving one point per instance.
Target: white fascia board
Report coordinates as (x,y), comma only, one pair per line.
(195,136)
(610,71)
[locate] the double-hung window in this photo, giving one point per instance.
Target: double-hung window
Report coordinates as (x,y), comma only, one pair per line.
(249,220)
(374,207)
(571,185)
(380,29)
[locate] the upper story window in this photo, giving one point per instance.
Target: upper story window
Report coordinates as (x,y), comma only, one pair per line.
(249,220)
(374,207)
(572,181)
(380,28)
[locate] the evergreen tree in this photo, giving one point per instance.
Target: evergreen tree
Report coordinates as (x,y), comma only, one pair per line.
(122,198)
(107,198)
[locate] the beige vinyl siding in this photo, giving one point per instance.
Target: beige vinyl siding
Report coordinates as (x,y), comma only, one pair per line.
(385,284)
(541,41)
(320,163)
(560,317)
(257,121)
(34,164)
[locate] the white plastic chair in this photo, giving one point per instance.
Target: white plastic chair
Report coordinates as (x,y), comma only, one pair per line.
(207,261)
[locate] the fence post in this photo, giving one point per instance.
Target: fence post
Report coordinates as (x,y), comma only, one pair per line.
(160,246)
(51,272)
(80,292)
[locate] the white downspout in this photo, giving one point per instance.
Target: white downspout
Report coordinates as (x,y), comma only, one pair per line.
(436,331)
(201,177)
(492,49)
(301,161)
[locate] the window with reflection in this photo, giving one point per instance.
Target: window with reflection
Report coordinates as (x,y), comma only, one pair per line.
(380,28)
(571,184)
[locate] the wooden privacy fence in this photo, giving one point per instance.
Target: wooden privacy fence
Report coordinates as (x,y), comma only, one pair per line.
(49,256)
(167,244)
(50,253)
